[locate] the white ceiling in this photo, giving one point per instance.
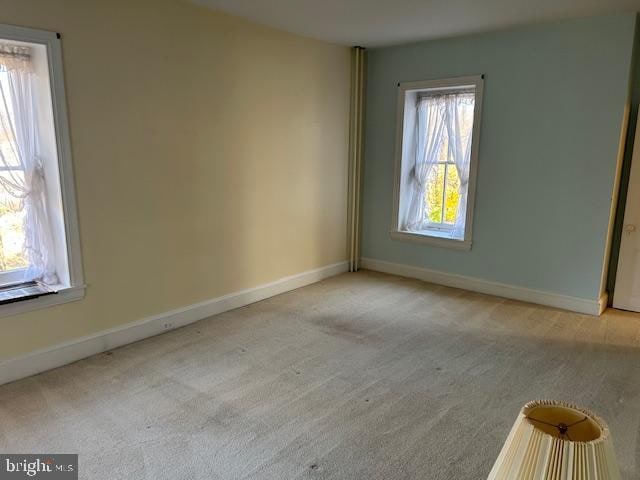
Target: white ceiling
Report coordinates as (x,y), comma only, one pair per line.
(383,22)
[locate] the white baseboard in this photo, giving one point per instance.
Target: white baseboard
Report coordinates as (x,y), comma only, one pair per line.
(574,304)
(71,351)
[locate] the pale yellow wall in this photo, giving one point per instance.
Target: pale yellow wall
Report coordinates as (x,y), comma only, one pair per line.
(210,156)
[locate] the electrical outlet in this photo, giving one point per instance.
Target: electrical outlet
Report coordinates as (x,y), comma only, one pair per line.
(168,326)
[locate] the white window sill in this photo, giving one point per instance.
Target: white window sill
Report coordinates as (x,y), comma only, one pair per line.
(64,295)
(437,238)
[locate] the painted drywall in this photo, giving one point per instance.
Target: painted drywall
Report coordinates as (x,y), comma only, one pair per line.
(210,156)
(554,102)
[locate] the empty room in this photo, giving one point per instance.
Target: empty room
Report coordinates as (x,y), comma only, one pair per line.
(341,239)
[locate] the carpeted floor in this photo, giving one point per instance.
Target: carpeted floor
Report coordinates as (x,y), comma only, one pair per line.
(362,376)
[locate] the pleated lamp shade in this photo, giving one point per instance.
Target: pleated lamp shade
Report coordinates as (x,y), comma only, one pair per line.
(556,441)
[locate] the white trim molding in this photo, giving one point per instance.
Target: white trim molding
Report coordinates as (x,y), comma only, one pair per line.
(433,240)
(64,295)
(565,302)
(77,349)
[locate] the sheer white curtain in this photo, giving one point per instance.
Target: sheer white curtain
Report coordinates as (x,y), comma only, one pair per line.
(429,135)
(18,128)
(459,124)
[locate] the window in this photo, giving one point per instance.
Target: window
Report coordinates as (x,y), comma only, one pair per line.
(436,160)
(39,241)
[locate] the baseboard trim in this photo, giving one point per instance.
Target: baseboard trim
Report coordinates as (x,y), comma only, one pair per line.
(77,349)
(574,304)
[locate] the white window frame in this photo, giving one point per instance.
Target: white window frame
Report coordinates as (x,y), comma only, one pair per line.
(74,289)
(404,153)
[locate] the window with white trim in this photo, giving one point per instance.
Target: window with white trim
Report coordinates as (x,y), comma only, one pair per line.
(39,241)
(436,160)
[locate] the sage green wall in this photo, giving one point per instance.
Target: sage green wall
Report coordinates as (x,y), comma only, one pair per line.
(554,103)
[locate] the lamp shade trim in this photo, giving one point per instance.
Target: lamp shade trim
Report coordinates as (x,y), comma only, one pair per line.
(556,441)
(530,409)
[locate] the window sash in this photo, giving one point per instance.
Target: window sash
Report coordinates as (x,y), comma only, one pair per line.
(12,277)
(441,225)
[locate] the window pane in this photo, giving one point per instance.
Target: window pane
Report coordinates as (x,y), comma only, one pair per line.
(452,197)
(7,148)
(7,142)
(12,237)
(434,193)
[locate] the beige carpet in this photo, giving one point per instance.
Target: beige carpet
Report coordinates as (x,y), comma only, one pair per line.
(363,376)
